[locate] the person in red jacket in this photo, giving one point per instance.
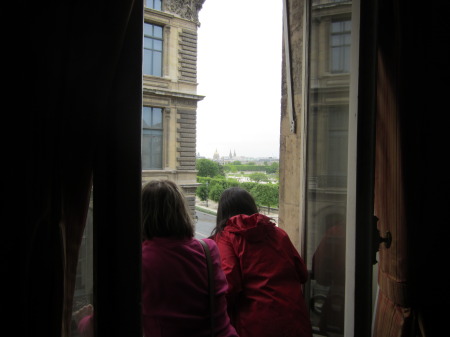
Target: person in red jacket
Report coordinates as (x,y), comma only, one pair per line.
(265,272)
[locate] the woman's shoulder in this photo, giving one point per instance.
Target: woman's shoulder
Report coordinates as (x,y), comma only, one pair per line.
(210,242)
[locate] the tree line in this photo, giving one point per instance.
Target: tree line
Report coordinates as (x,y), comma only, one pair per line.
(213,181)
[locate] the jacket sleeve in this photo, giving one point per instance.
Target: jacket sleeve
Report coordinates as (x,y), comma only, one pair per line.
(300,266)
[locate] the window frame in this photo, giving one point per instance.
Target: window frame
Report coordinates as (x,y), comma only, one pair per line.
(151,4)
(340,49)
(151,128)
(153,51)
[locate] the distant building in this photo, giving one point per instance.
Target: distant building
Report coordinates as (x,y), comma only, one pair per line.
(216,155)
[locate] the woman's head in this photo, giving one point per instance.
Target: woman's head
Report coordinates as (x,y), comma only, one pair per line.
(233,201)
(164,211)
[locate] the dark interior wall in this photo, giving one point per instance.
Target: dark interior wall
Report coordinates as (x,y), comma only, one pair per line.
(416,44)
(74,113)
(425,94)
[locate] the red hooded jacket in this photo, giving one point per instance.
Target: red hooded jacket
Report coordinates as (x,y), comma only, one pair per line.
(265,274)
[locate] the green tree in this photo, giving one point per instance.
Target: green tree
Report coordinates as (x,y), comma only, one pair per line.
(208,168)
(216,191)
(266,195)
(273,168)
(203,193)
(258,177)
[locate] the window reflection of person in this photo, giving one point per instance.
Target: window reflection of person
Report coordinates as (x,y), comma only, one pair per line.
(328,269)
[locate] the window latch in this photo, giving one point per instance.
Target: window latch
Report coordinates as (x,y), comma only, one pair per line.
(377,239)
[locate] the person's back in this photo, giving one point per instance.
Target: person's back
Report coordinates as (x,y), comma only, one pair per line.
(265,276)
(175,299)
(265,273)
(175,289)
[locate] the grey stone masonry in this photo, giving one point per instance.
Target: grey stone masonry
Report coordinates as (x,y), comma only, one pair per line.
(186,139)
(188,56)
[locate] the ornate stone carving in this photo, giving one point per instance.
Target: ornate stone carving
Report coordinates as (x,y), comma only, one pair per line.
(187,9)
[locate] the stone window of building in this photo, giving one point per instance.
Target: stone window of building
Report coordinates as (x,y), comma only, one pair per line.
(153,49)
(337,147)
(340,46)
(152,138)
(154,4)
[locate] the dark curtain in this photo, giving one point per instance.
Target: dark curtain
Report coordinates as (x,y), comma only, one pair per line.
(411,184)
(74,95)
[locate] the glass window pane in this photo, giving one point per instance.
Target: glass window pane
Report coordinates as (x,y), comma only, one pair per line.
(84,282)
(336,27)
(152,149)
(148,43)
(148,29)
(151,118)
(336,40)
(347,59)
(146,117)
(340,40)
(326,171)
(158,31)
(147,66)
(347,26)
(157,64)
(157,118)
(335,60)
(347,39)
(152,57)
(155,4)
(157,45)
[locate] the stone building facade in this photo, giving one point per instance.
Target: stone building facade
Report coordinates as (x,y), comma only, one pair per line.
(170,92)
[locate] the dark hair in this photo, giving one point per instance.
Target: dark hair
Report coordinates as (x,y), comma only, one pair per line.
(233,201)
(164,211)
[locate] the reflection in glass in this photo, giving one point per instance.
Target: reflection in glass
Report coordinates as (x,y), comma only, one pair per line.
(84,284)
(340,46)
(327,156)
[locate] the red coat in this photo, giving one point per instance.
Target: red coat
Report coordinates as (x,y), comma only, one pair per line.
(265,275)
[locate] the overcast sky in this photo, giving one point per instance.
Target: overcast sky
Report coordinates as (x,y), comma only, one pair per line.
(239,73)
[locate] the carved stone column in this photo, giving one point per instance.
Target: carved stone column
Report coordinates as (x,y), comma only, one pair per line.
(186,9)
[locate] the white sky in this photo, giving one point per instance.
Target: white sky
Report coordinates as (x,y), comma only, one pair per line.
(239,73)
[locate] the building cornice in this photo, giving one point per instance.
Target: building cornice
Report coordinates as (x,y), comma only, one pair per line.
(168,93)
(186,9)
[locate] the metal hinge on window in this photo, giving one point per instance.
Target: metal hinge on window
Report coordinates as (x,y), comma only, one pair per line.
(378,239)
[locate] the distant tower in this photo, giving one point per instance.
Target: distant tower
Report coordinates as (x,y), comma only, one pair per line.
(216,155)
(231,154)
(234,153)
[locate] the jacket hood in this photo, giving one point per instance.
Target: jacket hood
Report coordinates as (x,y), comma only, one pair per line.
(253,227)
